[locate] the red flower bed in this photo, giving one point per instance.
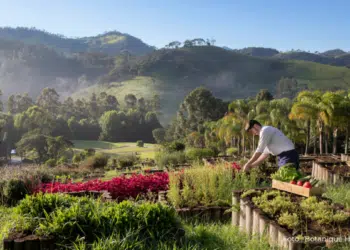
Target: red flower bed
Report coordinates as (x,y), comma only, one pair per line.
(236,166)
(120,187)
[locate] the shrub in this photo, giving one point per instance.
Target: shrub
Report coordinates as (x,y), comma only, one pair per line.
(97,161)
(111,164)
(175,146)
(37,205)
(199,153)
(77,158)
(139,144)
(89,152)
(62,160)
(13,191)
(169,159)
(231,151)
(214,148)
(50,163)
(126,161)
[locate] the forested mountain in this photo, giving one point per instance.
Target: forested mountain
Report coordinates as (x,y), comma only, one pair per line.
(111,43)
(334,57)
(173,73)
(31,60)
(30,68)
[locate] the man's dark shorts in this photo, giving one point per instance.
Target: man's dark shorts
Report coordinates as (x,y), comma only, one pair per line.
(290,156)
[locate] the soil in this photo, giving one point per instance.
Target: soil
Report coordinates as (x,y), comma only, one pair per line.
(306,167)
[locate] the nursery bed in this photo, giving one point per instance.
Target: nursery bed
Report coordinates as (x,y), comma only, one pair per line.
(251,219)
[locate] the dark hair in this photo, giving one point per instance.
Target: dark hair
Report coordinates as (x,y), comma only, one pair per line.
(251,124)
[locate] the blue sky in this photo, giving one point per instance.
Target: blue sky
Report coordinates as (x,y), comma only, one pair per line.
(282,24)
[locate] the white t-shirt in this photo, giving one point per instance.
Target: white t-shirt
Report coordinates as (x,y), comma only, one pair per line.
(273,141)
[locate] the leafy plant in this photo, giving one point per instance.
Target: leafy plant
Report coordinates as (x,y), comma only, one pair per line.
(291,220)
(287,173)
(274,203)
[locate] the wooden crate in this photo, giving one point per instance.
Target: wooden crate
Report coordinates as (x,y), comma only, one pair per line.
(295,189)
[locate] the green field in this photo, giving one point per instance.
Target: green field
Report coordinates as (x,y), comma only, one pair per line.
(120,148)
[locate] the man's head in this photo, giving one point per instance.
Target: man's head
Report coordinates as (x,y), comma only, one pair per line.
(253,127)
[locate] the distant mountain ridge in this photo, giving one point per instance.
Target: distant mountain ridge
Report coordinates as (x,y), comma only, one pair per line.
(111,43)
(335,57)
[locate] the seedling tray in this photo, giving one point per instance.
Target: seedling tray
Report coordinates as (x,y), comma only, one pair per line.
(295,189)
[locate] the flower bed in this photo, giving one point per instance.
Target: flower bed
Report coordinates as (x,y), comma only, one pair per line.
(120,188)
(282,215)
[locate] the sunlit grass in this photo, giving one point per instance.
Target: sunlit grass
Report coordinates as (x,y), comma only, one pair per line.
(198,237)
(121,148)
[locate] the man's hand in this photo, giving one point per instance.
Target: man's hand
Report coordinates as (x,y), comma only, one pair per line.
(247,167)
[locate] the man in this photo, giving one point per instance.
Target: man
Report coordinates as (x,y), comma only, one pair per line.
(271,141)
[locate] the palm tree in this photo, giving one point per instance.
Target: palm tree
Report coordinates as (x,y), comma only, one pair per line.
(304,109)
(240,110)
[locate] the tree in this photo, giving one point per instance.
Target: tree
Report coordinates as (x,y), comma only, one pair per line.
(33,141)
(106,103)
(19,103)
(198,41)
(49,100)
(112,124)
(130,101)
(240,109)
(264,95)
(57,146)
(174,44)
(159,135)
(44,146)
(35,118)
(198,107)
(93,106)
(188,43)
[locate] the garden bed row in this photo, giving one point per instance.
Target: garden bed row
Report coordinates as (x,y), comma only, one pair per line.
(253,221)
(330,171)
(212,213)
(30,242)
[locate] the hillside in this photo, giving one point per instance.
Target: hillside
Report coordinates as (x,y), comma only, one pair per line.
(336,57)
(258,51)
(173,73)
(111,43)
(30,68)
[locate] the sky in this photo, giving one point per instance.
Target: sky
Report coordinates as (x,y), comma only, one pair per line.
(311,25)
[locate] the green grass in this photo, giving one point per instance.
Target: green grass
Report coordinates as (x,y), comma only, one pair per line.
(198,237)
(111,39)
(120,148)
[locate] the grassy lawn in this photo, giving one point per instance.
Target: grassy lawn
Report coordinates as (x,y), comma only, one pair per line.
(120,148)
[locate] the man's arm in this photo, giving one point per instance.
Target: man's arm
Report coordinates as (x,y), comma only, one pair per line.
(263,141)
(260,160)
